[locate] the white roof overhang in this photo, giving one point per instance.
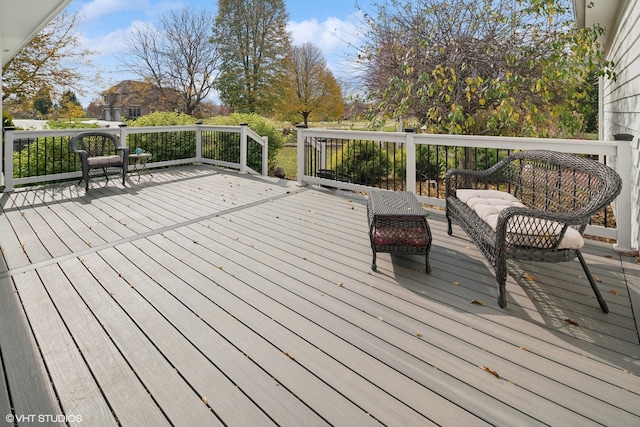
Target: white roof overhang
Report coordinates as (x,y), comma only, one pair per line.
(603,12)
(20,21)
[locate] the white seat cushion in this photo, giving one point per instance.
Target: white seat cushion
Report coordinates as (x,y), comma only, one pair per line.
(488,203)
(104,160)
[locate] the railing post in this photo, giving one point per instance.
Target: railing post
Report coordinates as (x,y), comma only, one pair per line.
(623,202)
(199,143)
(411,161)
(8,159)
(123,135)
(323,152)
(265,156)
(300,153)
(243,147)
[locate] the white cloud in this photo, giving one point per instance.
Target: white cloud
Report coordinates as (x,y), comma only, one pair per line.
(111,43)
(338,40)
(330,36)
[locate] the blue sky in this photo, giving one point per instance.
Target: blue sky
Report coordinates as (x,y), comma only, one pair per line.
(332,25)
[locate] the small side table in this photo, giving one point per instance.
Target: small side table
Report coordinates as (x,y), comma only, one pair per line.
(139,163)
(398,224)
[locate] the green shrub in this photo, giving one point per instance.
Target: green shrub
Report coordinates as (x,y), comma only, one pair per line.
(365,162)
(261,126)
(46,155)
(428,166)
(165,146)
(7,119)
(162,119)
(71,124)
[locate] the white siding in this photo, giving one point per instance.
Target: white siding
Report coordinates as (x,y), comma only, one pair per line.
(621,98)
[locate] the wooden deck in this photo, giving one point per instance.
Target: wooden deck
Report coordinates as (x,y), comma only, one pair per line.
(201,297)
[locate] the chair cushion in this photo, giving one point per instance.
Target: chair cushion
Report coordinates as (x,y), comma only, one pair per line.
(523,231)
(104,160)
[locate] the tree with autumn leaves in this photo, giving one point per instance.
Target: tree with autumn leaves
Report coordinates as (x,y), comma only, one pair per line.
(497,67)
(43,66)
(311,88)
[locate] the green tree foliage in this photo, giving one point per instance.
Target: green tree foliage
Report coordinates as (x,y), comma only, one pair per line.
(587,106)
(43,104)
(312,88)
(178,56)
(262,127)
(7,119)
(253,42)
(501,67)
(44,63)
(69,106)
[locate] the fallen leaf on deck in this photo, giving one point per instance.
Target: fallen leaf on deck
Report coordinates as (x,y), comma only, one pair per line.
(418,334)
(491,371)
(571,322)
(340,285)
(608,256)
(478,302)
(290,356)
(455,283)
(205,400)
(220,267)
(529,277)
(523,348)
(614,292)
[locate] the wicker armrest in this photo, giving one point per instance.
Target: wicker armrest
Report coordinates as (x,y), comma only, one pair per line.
(466,178)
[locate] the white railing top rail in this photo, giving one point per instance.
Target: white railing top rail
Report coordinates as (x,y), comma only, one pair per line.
(576,146)
(243,130)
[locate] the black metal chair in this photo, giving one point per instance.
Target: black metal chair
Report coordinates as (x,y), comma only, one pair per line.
(100,150)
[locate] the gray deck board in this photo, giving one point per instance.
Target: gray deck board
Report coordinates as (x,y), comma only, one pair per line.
(5,404)
(197,296)
(29,240)
(176,398)
(290,310)
(25,373)
(541,385)
(75,387)
(257,338)
(195,367)
(127,397)
(180,304)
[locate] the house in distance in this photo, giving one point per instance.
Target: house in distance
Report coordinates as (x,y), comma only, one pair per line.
(131,99)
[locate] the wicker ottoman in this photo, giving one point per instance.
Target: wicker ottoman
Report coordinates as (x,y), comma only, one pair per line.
(398,224)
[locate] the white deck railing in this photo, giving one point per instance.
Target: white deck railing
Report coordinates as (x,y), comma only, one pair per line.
(243,134)
(609,152)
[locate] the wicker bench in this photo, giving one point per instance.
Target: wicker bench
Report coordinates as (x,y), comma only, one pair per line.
(532,205)
(398,224)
